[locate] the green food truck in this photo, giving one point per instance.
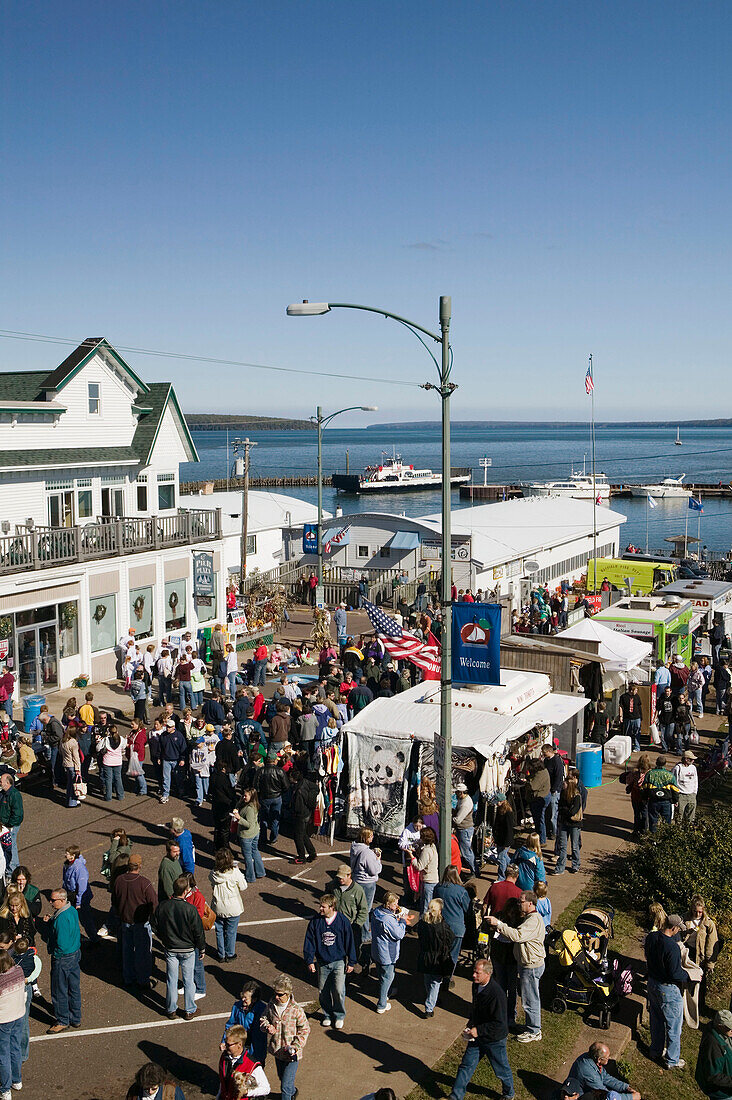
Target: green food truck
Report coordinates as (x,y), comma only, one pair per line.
(645,576)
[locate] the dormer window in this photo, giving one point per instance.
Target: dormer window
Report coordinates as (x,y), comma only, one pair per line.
(95,403)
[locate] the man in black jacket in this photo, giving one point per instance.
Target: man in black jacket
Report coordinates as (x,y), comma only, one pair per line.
(179,928)
(665,998)
(486,1032)
(272,786)
(555,766)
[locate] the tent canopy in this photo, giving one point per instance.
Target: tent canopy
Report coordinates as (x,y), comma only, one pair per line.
(618,652)
(405,716)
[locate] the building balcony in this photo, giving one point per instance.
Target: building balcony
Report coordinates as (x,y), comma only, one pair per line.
(35,548)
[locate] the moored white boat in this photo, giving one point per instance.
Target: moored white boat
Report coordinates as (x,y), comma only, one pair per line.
(576,485)
(669,487)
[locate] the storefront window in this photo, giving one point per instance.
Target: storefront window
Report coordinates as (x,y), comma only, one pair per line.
(175,604)
(68,628)
(103,619)
(141,611)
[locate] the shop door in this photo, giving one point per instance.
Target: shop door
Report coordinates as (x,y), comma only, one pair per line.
(37,659)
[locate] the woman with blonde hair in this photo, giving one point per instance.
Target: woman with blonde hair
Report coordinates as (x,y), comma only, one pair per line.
(427,863)
(529,860)
(434,960)
(15,917)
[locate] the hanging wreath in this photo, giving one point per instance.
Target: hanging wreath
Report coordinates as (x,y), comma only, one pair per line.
(138,607)
(6,626)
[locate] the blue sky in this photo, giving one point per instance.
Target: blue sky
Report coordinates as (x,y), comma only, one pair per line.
(175,173)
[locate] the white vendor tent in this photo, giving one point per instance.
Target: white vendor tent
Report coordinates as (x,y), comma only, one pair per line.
(484,718)
(618,652)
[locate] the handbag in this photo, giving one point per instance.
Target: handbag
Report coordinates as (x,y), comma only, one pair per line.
(413,878)
(655,735)
(80,790)
(208,920)
(134,768)
(576,819)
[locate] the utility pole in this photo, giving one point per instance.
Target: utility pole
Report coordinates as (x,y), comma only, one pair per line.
(246,444)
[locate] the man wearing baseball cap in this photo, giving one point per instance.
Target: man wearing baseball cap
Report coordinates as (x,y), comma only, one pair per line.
(351,902)
(665,999)
(686,778)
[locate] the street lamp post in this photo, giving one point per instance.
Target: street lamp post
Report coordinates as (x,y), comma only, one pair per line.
(445,389)
(321,422)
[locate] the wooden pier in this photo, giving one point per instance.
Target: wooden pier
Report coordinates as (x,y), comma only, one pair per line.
(620,490)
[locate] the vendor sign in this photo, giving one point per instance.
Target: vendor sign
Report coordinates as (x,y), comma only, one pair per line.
(238,622)
(476,643)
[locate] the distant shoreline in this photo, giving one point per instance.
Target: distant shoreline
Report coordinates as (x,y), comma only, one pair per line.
(420,425)
(219,422)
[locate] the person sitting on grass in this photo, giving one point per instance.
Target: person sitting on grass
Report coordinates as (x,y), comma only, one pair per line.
(714,1064)
(589,1071)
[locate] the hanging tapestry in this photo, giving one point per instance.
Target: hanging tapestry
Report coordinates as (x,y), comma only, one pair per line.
(377,783)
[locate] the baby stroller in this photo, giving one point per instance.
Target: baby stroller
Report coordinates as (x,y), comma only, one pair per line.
(590,981)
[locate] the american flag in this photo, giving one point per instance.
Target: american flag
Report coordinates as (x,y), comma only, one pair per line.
(589,381)
(403,646)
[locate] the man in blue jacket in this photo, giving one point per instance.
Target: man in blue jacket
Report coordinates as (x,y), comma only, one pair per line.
(387,931)
(665,999)
(330,952)
(173,754)
(589,1070)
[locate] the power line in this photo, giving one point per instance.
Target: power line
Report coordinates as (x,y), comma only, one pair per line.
(10,334)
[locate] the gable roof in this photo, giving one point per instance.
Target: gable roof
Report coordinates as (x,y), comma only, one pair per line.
(63,458)
(159,395)
(80,356)
(16,385)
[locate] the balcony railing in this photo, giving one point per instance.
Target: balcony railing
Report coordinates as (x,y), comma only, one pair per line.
(48,547)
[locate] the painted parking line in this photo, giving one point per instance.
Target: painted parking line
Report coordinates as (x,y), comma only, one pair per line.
(272,920)
(344,852)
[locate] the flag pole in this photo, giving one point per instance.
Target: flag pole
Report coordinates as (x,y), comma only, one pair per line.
(686,532)
(594,486)
(698,526)
(647,499)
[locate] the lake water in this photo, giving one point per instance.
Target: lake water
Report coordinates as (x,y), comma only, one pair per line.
(519,454)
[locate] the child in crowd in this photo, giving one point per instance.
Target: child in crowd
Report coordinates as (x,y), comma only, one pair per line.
(182,837)
(76,883)
(543,904)
(248,1012)
(200,768)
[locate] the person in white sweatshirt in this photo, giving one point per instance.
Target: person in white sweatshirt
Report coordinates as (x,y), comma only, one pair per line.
(686,779)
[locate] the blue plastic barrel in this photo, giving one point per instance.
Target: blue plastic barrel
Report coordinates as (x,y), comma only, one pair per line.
(589,763)
(32,708)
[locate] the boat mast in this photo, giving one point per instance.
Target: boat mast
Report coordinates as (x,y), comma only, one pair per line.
(594,487)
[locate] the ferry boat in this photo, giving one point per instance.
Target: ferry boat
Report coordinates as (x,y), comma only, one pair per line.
(395,476)
(669,487)
(577,485)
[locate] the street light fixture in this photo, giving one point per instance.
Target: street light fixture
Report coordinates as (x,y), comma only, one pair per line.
(445,388)
(321,422)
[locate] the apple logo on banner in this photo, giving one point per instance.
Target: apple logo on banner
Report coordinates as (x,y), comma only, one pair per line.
(476,633)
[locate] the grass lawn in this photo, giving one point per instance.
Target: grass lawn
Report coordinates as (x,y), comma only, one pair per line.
(656,1083)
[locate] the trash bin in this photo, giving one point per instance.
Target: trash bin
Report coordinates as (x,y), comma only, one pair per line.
(589,763)
(32,708)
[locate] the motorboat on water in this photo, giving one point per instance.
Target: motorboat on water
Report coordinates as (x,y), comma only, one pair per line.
(669,487)
(578,485)
(393,475)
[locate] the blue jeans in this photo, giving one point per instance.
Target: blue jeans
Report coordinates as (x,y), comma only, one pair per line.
(506,974)
(538,807)
(568,832)
(632,729)
(286,1072)
(504,858)
(165,690)
(465,842)
(25,1037)
(667,733)
(14,857)
(231,680)
(332,989)
(137,960)
(199,975)
(696,699)
(457,943)
(432,984)
(253,866)
(666,1009)
(369,889)
(529,978)
(171,771)
(498,1058)
(428,890)
(269,819)
(86,919)
(553,809)
(658,810)
(187,962)
(260,673)
(66,988)
(385,976)
(201,787)
(682,733)
(185,694)
(226,936)
(11,1059)
(112,778)
(71,799)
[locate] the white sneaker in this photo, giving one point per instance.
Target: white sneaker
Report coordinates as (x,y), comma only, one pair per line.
(382,1010)
(6,1095)
(669,1065)
(198,996)
(103,932)
(326,1022)
(339,1025)
(181,990)
(529,1037)
(17,1085)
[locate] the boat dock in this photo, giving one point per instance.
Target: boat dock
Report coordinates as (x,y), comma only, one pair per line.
(619,490)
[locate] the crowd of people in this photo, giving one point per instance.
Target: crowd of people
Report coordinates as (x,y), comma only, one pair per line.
(217,743)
